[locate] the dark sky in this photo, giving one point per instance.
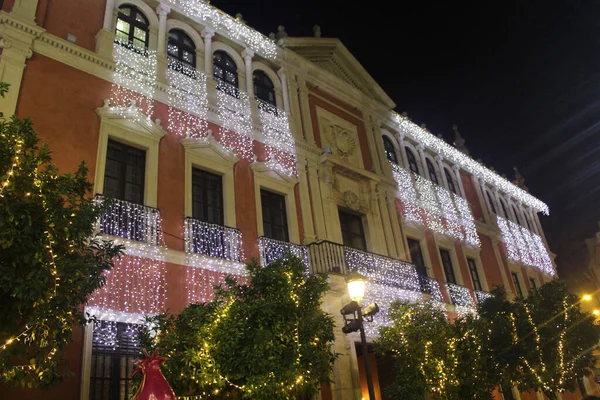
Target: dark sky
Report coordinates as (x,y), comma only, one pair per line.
(520,78)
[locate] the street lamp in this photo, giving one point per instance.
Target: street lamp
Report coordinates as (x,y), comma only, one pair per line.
(354,317)
(587,297)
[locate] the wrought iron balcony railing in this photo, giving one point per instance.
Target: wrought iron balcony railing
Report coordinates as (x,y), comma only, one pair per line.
(130,221)
(213,240)
(272,249)
(460,295)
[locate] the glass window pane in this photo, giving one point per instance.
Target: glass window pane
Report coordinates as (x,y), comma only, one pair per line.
(122,26)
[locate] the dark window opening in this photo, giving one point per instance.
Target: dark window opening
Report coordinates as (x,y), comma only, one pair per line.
(504,209)
(264,89)
(491,201)
(416,256)
(451,185)
(412,161)
(207,197)
(124,172)
(390,150)
(182,48)
(431,169)
(515,279)
(474,274)
(517,217)
(225,70)
(115,346)
(353,234)
(447,265)
(274,216)
(132,27)
(507,392)
(533,284)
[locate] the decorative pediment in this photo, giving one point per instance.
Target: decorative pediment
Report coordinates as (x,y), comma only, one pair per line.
(209,145)
(332,56)
(274,174)
(130,119)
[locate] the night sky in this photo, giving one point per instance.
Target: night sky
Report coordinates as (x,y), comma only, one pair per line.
(521,79)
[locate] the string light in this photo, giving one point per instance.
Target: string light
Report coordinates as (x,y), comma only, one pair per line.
(467,221)
(482,296)
(439,146)
(131,221)
(213,240)
(271,250)
(207,15)
(188,101)
(134,79)
(277,137)
(460,295)
(407,194)
(234,111)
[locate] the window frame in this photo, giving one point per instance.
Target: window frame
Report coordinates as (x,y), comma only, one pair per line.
(490,199)
(271,90)
(362,235)
(517,284)
(422,270)
(233,70)
(412,161)
(431,171)
(450,180)
(389,149)
(201,174)
(474,274)
(504,209)
(131,19)
(269,195)
(444,266)
(181,47)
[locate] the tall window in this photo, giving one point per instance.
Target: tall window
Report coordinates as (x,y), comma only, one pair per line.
(207,197)
(448,267)
(224,68)
(115,346)
(515,279)
(124,172)
(352,230)
(451,185)
(517,218)
(504,209)
(528,222)
(132,27)
(533,284)
(390,150)
(431,169)
(491,201)
(474,274)
(274,216)
(412,161)
(416,256)
(264,89)
(182,48)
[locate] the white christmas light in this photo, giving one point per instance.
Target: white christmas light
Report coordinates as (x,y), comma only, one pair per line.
(460,295)
(277,137)
(439,146)
(188,102)
(131,221)
(234,111)
(407,194)
(207,273)
(467,221)
(525,246)
(207,15)
(134,78)
(452,221)
(482,296)
(271,249)
(429,203)
(213,240)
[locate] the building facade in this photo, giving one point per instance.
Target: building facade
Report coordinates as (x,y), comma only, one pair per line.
(221,144)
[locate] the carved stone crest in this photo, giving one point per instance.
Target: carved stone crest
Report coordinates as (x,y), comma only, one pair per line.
(341,140)
(351,200)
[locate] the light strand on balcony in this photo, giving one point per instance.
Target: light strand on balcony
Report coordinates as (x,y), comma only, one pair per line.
(235,114)
(277,137)
(271,249)
(439,146)
(460,295)
(213,240)
(134,80)
(407,194)
(467,221)
(452,221)
(188,101)
(207,15)
(430,204)
(131,221)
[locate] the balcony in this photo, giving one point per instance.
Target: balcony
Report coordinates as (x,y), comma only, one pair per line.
(460,295)
(213,240)
(482,296)
(131,221)
(271,250)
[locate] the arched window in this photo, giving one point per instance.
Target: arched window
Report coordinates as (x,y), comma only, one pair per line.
(431,169)
(528,221)
(224,68)
(491,201)
(412,161)
(518,218)
(451,185)
(504,209)
(182,48)
(263,87)
(390,150)
(132,27)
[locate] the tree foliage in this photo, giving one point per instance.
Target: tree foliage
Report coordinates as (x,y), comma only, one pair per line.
(433,355)
(543,342)
(267,338)
(48,263)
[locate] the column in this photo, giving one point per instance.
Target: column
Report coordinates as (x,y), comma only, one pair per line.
(439,160)
(162,10)
(25,9)
(305,111)
(248,54)
(376,144)
(481,198)
(284,90)
(108,14)
(390,198)
(305,206)
(387,223)
(315,194)
(207,34)
(403,151)
(456,170)
(106,36)
(488,206)
(16,47)
(421,150)
(295,114)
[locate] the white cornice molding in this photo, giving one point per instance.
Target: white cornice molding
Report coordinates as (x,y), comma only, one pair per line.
(270,173)
(132,119)
(197,145)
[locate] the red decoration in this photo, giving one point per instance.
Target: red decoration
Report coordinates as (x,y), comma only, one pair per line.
(154,385)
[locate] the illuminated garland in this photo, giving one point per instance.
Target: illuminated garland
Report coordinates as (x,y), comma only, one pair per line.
(188,102)
(277,137)
(271,250)
(453,223)
(482,296)
(213,240)
(460,295)
(439,146)
(430,204)
(467,221)
(525,246)
(131,221)
(134,79)
(235,114)
(207,15)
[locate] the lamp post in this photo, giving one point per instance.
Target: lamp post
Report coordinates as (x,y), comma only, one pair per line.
(356,290)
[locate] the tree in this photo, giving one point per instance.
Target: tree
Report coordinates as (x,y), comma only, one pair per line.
(543,342)
(267,338)
(48,263)
(447,359)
